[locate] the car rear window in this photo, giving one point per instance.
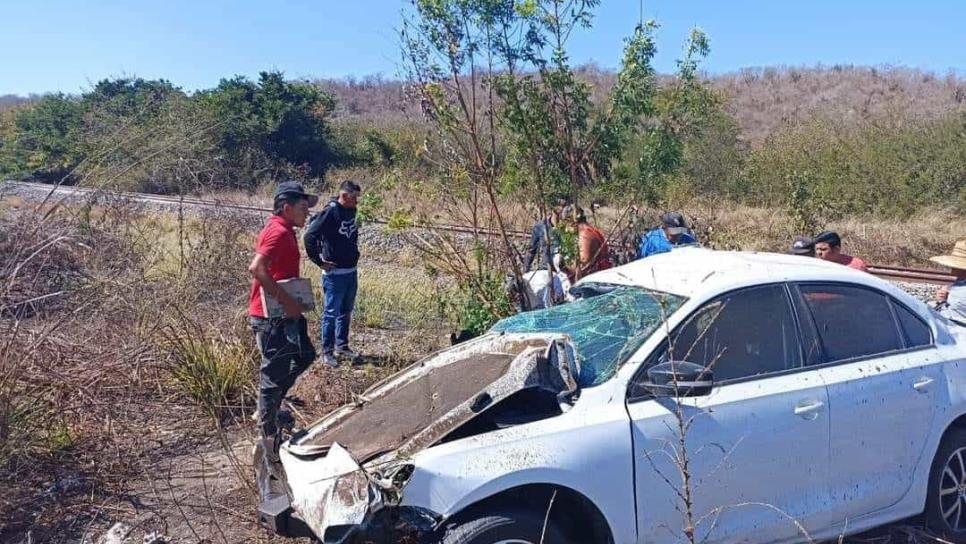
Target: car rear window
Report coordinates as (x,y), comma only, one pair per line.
(851,321)
(916,331)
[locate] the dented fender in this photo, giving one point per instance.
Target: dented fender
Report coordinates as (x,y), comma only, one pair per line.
(451,477)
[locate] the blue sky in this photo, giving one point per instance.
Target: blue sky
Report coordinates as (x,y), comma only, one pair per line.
(64,45)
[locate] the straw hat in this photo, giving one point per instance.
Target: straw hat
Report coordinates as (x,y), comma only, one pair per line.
(957,259)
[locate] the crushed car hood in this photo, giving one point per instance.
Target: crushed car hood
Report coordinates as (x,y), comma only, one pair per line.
(419,405)
(326,468)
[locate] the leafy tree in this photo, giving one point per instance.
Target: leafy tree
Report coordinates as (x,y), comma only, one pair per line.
(561,142)
(133,98)
(48,140)
(495,72)
(282,121)
(11,161)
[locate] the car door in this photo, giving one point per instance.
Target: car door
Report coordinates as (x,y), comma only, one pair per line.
(756,448)
(882,374)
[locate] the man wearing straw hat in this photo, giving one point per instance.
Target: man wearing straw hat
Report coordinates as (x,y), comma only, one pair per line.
(952,298)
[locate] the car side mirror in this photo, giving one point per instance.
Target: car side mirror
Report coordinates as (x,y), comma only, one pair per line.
(679,379)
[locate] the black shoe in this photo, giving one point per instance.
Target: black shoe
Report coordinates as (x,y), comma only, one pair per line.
(285,421)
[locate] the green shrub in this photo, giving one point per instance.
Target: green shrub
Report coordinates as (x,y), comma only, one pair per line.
(369,207)
(889,169)
(29,424)
(216,372)
(480,306)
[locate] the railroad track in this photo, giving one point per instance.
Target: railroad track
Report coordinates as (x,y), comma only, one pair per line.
(70,190)
(895,273)
(914,275)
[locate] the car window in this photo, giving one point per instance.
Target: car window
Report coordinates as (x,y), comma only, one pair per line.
(811,344)
(916,331)
(743,334)
(851,321)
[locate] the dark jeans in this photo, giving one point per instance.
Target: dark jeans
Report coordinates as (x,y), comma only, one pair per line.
(286,352)
(340,299)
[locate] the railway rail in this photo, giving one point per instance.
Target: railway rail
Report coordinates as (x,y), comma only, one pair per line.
(895,273)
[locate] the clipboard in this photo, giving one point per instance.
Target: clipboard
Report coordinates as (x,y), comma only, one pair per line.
(298,288)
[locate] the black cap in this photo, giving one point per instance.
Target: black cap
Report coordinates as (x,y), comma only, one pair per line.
(829,237)
(294,188)
(674,223)
(803,245)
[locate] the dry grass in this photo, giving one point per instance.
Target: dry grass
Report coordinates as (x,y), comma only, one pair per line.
(722,225)
(90,385)
(214,369)
(908,242)
(391,297)
(114,381)
(30,426)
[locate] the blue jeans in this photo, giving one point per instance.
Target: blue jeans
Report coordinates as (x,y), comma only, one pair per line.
(340,298)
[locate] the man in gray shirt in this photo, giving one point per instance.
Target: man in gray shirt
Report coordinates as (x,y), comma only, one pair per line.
(952,298)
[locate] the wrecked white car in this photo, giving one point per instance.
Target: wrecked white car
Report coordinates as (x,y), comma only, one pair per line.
(740,397)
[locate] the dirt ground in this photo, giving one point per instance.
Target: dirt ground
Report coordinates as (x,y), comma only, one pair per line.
(145,464)
(191,483)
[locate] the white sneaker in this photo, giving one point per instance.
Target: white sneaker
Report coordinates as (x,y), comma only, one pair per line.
(329,360)
(347,353)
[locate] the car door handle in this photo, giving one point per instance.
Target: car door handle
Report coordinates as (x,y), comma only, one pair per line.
(922,385)
(809,410)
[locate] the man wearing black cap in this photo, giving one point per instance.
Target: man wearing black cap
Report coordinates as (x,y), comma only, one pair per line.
(803,246)
(673,232)
(283,340)
(332,243)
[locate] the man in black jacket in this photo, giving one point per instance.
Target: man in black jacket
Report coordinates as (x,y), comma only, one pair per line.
(332,243)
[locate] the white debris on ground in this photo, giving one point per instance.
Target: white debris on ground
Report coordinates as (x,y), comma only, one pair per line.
(120,533)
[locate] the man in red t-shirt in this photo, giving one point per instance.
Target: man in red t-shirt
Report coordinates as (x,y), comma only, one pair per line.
(283,342)
(592,252)
(828,247)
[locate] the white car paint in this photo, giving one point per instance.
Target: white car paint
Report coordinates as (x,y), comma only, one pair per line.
(748,449)
(823,450)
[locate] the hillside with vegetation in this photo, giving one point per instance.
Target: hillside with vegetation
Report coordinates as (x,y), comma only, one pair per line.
(128,369)
(840,137)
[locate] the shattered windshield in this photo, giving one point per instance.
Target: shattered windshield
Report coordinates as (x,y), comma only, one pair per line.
(607,326)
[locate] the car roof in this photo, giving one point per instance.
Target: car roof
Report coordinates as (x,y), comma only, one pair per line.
(699,272)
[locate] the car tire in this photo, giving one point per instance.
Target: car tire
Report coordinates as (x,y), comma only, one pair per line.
(507,526)
(945,513)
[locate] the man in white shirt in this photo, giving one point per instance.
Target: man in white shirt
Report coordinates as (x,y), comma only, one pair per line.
(951,299)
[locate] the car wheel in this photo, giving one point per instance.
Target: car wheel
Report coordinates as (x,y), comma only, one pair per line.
(509,526)
(946,501)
